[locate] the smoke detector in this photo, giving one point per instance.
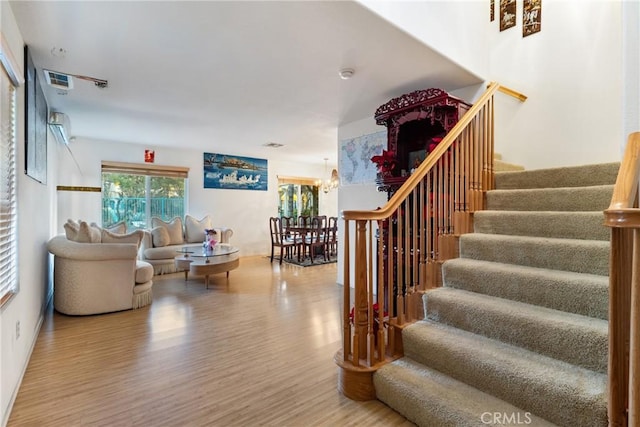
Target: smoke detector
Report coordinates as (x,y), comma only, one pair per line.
(346,73)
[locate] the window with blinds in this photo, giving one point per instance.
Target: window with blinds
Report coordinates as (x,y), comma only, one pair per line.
(134,193)
(8,196)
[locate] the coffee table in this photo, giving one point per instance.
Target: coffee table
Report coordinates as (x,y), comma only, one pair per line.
(223,258)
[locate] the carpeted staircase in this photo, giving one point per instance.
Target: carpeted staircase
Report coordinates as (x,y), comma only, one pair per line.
(518,333)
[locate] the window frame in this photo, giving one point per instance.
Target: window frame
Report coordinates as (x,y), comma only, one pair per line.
(299,182)
(9,75)
(148,171)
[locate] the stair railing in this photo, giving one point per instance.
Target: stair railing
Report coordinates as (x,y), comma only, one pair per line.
(623,217)
(405,243)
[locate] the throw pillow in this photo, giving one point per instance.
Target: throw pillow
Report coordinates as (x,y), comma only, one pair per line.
(194,230)
(87,233)
(94,225)
(160,237)
(117,228)
(133,237)
(174,228)
(71,229)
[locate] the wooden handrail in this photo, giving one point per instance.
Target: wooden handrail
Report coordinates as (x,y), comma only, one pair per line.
(623,216)
(513,93)
(626,188)
(402,245)
(394,203)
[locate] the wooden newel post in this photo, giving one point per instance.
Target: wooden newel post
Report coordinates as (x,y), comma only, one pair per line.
(634,339)
(619,318)
(355,373)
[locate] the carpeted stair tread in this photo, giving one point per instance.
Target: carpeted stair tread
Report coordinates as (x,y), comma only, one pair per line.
(432,399)
(521,315)
(573,338)
(572,176)
(566,225)
(526,379)
(551,199)
(579,293)
(502,166)
(582,256)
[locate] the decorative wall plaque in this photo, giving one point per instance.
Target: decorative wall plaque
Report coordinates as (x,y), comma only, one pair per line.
(507,14)
(531,17)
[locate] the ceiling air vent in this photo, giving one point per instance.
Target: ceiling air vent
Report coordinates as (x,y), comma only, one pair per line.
(273,145)
(58,80)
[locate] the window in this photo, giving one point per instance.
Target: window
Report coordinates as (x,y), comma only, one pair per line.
(136,192)
(9,80)
(297,197)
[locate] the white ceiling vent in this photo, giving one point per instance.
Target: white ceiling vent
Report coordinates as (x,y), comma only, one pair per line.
(60,127)
(58,80)
(273,145)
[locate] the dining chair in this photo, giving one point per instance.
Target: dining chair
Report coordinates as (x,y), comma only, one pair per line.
(316,238)
(287,223)
(290,232)
(332,235)
(304,221)
(322,219)
(280,239)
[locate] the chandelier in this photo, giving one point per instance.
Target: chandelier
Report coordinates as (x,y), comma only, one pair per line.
(330,183)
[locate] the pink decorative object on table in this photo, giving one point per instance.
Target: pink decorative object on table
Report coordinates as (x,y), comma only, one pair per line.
(209,239)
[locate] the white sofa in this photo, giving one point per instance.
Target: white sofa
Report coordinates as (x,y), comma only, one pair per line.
(94,276)
(163,242)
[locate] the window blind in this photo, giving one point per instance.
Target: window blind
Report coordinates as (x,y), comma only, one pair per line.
(8,195)
(145,169)
(299,180)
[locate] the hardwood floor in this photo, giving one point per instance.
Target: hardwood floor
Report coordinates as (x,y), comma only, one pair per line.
(256,350)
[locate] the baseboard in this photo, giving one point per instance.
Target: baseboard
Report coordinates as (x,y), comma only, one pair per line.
(14,394)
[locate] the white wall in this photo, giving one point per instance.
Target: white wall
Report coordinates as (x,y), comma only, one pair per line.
(631,66)
(35,225)
(356,197)
(571,71)
(246,212)
(443,25)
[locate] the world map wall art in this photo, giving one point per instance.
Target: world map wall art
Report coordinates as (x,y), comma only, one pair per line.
(354,158)
(234,172)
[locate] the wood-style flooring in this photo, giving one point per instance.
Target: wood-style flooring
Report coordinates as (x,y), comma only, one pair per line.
(256,350)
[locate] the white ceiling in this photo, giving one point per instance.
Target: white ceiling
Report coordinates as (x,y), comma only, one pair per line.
(227,76)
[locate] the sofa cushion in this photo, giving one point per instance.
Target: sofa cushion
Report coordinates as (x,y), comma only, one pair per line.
(133,237)
(160,237)
(144,272)
(194,229)
(174,227)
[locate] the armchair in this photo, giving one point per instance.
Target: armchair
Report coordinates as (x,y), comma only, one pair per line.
(93,278)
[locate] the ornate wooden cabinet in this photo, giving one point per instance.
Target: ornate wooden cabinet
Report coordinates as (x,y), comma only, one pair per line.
(414,122)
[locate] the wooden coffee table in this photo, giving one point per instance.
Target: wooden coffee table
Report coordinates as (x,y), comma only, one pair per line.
(223,258)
